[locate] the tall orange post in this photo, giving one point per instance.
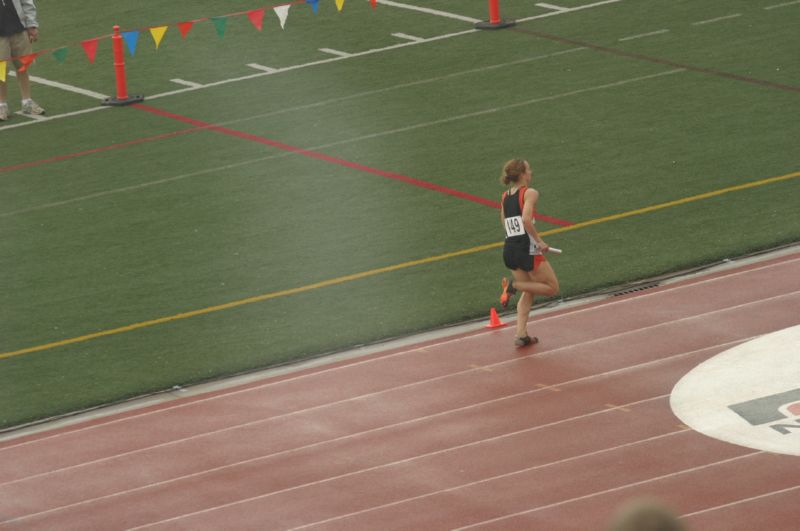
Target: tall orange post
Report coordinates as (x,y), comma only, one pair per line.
(495,22)
(122,97)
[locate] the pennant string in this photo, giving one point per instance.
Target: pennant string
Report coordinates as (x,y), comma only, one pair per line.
(90,46)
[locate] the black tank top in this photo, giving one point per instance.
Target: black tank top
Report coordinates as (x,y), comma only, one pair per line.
(516,235)
(512,212)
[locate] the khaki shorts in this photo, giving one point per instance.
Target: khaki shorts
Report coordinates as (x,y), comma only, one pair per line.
(15,46)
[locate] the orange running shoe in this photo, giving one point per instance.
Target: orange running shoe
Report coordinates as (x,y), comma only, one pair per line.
(508,292)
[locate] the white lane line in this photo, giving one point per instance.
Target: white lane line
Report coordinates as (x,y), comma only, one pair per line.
(776,6)
(64,86)
(353,436)
(407,37)
(615,489)
(551,6)
(263,68)
(373,394)
(335,52)
(643,35)
(745,500)
(429,11)
(398,502)
(186,83)
(718,19)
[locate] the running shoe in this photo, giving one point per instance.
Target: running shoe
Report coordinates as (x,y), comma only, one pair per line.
(31,107)
(525,341)
(508,292)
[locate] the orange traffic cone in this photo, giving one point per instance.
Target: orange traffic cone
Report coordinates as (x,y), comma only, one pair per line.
(494,320)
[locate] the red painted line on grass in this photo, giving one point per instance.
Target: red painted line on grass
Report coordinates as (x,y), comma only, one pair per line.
(59,158)
(334,160)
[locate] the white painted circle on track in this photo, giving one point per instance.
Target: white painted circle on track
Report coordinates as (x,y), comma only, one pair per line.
(748,395)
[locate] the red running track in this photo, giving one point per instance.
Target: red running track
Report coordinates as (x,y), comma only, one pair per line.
(461,432)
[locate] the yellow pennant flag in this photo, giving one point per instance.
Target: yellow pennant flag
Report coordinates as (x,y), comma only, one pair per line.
(339,4)
(3,71)
(158,34)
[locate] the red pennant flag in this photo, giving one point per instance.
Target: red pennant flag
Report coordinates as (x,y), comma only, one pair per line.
(184,28)
(256,16)
(374,3)
(90,47)
(26,61)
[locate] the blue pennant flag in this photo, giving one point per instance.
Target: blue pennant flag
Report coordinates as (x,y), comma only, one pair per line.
(314,4)
(131,38)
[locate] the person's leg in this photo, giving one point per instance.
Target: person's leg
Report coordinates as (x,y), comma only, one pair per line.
(541,281)
(24,84)
(524,303)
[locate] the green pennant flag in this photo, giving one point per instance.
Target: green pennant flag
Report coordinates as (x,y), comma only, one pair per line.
(219,24)
(60,55)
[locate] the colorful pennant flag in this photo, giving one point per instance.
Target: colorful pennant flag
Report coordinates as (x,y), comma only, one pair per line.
(256,16)
(158,34)
(60,55)
(90,47)
(314,5)
(282,12)
(184,28)
(26,60)
(131,39)
(339,4)
(3,71)
(374,3)
(219,24)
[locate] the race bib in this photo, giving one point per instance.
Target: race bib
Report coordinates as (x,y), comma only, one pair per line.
(514,226)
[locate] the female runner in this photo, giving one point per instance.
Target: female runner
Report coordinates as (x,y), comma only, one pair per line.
(523,252)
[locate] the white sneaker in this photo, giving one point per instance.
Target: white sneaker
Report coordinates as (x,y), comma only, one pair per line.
(3,113)
(31,107)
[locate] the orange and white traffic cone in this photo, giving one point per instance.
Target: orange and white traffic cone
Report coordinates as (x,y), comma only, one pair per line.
(494,320)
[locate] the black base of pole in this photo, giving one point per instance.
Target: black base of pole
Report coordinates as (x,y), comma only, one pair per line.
(500,25)
(114,102)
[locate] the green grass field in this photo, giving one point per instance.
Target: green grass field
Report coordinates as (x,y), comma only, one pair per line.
(136,255)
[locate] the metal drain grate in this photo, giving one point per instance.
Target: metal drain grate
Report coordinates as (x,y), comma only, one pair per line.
(637,288)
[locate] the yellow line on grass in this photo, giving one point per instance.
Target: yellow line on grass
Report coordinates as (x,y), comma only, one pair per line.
(388,269)
(677,202)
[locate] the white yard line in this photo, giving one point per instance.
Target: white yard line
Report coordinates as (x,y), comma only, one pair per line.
(186,83)
(304,65)
(718,19)
(56,116)
(429,11)
(776,6)
(334,52)
(341,142)
(643,35)
(553,7)
(569,10)
(35,117)
(263,68)
(407,37)
(64,86)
